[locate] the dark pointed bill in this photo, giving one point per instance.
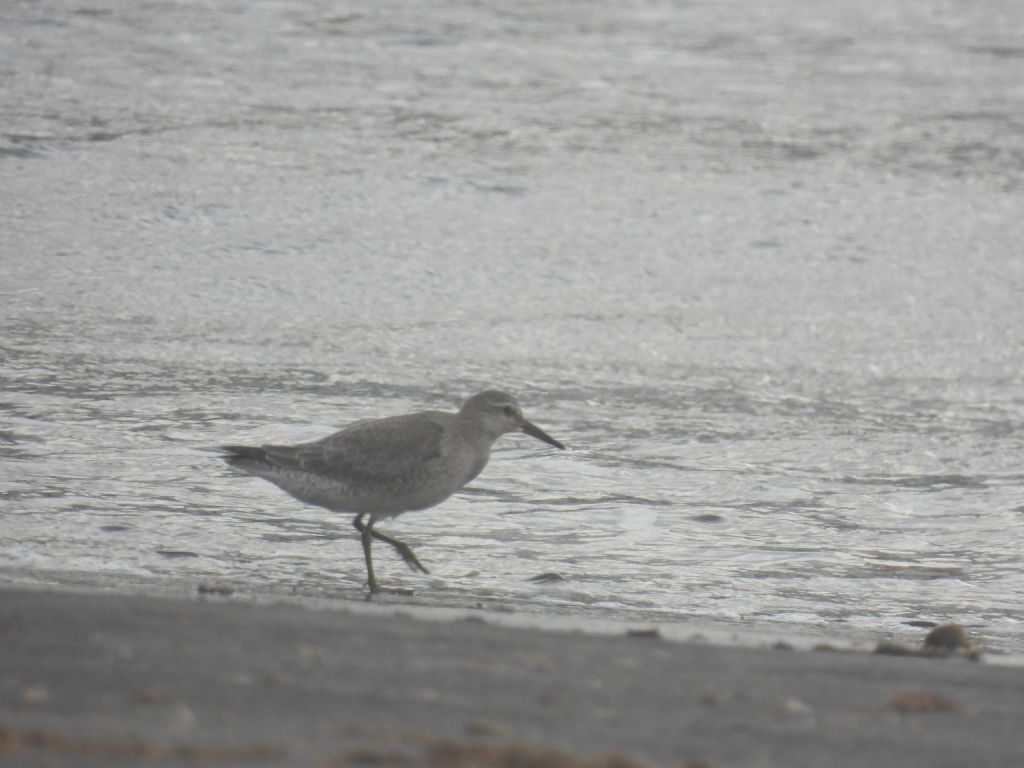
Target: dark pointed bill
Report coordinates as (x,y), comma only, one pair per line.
(534,431)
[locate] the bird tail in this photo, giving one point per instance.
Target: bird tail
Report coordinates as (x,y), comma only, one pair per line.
(244,456)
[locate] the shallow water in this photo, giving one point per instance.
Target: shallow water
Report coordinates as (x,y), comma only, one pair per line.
(759,268)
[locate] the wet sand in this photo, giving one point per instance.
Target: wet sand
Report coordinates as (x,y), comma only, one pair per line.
(101,679)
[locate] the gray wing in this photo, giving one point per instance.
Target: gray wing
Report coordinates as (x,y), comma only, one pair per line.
(366,452)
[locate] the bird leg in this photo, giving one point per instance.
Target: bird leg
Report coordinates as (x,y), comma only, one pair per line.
(367,534)
(401,547)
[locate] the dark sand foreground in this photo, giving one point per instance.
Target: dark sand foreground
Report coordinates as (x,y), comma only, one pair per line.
(99,679)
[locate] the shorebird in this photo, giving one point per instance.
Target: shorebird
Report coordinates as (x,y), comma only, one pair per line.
(380,468)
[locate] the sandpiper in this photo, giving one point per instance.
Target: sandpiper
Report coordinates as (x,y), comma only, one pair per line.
(380,468)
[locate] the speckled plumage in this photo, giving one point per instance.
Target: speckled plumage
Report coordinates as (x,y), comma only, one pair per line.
(384,467)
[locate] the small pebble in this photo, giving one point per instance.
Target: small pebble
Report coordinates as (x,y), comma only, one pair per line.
(34,694)
(921,701)
(947,638)
(646,632)
(215,589)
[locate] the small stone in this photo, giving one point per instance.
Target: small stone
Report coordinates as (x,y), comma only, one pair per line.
(482,729)
(889,648)
(650,633)
(947,638)
(34,694)
(215,589)
(793,706)
(921,702)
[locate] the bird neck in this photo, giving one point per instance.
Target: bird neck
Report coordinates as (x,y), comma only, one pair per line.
(474,430)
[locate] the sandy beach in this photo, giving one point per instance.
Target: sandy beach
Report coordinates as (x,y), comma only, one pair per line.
(92,679)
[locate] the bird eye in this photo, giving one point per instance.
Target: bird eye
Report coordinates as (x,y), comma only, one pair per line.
(509,411)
